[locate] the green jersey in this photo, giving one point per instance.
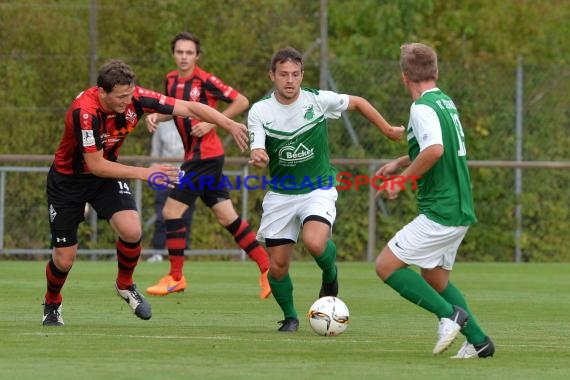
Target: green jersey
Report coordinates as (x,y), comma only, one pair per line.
(295,137)
(444,191)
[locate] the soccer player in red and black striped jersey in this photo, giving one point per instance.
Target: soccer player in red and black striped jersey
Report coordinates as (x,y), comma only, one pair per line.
(203,157)
(85,171)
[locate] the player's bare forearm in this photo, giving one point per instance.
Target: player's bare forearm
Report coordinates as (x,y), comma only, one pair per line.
(206,113)
(237,107)
(368,111)
(199,111)
(101,167)
(424,161)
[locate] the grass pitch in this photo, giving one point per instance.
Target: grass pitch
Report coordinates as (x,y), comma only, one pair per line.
(220,329)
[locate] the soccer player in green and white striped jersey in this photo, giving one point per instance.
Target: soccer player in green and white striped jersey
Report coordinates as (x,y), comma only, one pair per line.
(288,133)
(437,153)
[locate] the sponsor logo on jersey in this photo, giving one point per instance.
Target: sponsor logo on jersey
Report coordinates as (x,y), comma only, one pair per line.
(109,140)
(291,155)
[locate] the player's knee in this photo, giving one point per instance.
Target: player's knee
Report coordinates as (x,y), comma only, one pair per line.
(315,247)
(64,264)
(132,234)
(63,257)
(278,272)
(169,213)
(382,269)
(225,213)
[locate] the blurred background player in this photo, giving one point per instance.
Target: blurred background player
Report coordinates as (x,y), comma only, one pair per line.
(166,143)
(437,155)
(85,170)
(290,120)
(204,156)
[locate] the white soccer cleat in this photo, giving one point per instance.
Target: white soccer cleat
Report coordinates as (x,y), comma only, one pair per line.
(470,351)
(449,328)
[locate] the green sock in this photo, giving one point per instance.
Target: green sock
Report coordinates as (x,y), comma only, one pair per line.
(415,289)
(327,262)
(283,292)
(472,330)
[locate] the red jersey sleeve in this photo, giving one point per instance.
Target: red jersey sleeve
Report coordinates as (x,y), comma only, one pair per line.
(152,101)
(90,141)
(219,90)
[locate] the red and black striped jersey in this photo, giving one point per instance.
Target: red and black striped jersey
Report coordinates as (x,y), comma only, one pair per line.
(203,87)
(89,128)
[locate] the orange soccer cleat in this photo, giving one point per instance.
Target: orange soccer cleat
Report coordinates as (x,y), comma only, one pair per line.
(167,285)
(264,284)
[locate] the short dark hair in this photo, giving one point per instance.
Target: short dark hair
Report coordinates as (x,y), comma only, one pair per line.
(286,54)
(115,72)
(187,36)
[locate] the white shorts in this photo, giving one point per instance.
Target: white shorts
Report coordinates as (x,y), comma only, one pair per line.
(427,244)
(283,214)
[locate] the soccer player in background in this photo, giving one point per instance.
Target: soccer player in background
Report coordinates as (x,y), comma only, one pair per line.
(288,133)
(436,153)
(166,143)
(85,170)
(204,156)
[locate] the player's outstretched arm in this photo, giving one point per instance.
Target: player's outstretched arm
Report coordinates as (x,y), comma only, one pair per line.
(368,111)
(101,167)
(235,108)
(206,113)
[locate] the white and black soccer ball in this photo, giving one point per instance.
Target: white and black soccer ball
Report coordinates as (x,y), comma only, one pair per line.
(328,316)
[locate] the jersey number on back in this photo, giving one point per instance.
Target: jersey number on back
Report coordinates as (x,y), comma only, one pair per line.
(462,151)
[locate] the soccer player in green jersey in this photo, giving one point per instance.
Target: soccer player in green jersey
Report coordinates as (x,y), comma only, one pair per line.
(437,153)
(289,134)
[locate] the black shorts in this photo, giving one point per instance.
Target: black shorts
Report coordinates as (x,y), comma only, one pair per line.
(203,179)
(68,194)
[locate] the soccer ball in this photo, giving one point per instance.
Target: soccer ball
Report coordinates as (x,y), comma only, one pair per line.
(328,316)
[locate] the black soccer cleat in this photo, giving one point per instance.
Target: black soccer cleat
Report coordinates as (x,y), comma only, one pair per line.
(52,314)
(330,289)
(289,325)
(136,301)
